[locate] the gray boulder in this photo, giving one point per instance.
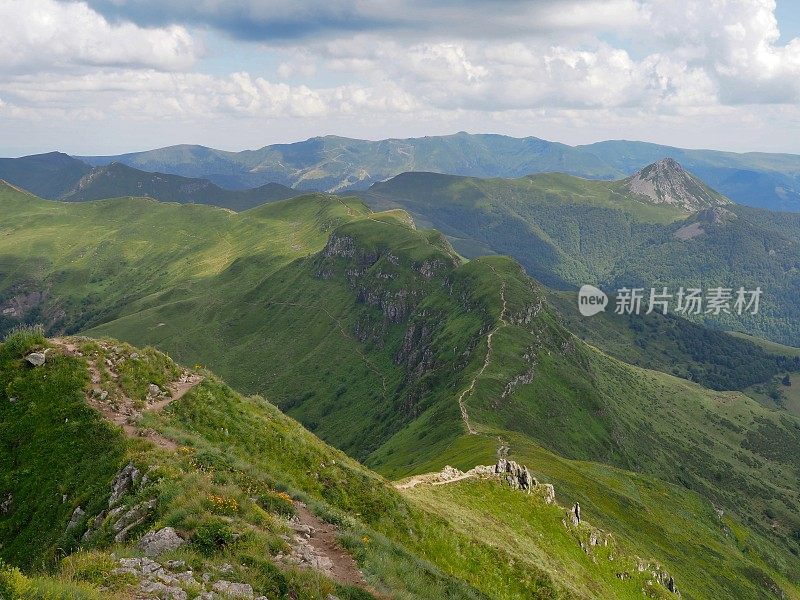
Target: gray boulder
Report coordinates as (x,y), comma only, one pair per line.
(76,518)
(156,589)
(233,590)
(37,359)
(154,543)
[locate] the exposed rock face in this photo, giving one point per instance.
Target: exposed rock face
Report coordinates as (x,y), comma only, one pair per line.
(717,214)
(429,268)
(94,526)
(233,590)
(518,476)
(394,305)
(576,514)
(37,359)
(154,543)
(711,216)
(123,483)
(342,246)
(131,518)
(18,306)
(5,504)
(77,516)
(416,352)
(549,493)
(666,182)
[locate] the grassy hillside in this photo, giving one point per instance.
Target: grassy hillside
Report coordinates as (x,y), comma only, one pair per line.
(567,231)
(117,180)
(385,344)
(47,175)
(236,471)
(713,358)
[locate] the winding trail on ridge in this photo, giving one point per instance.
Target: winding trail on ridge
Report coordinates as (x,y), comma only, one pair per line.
(468,391)
(122,414)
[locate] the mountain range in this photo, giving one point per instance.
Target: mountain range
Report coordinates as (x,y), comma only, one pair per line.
(385,343)
(393,394)
(61,177)
(333,164)
(568,231)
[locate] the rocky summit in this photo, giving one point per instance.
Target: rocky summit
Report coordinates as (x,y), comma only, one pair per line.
(667,182)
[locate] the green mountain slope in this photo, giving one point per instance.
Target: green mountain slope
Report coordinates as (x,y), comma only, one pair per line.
(116,180)
(224,472)
(568,231)
(47,175)
(384,343)
(671,344)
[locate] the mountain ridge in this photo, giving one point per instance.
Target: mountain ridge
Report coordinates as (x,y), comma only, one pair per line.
(768,180)
(375,336)
(118,179)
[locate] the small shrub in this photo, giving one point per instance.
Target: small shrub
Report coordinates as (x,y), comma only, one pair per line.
(277,502)
(90,566)
(223,505)
(23,338)
(212,536)
(13,584)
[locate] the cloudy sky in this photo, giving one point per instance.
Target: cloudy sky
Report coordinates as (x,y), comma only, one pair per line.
(109,76)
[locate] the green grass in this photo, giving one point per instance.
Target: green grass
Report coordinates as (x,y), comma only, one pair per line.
(367,331)
(236,449)
(56,455)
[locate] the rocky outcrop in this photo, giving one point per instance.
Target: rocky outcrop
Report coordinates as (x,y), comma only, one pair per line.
(575,514)
(155,543)
(174,581)
(430,268)
(230,589)
(123,483)
(516,475)
(133,517)
(155,581)
(77,517)
(342,246)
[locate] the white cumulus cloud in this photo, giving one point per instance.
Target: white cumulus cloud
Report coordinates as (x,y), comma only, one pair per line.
(40,35)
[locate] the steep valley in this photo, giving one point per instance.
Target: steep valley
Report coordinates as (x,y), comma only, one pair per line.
(386,344)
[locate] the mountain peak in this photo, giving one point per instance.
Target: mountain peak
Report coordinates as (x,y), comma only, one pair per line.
(667,182)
